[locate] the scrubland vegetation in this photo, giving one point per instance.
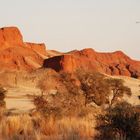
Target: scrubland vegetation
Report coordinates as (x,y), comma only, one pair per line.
(81,106)
(36,127)
(122,122)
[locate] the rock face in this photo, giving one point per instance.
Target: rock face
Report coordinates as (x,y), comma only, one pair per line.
(18,55)
(116,63)
(10,36)
(39,48)
(15,54)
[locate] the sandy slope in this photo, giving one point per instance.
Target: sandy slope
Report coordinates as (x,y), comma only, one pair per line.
(17,98)
(134,84)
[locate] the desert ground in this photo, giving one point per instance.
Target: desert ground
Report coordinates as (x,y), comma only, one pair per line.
(19,98)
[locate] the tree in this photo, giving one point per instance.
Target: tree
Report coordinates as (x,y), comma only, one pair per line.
(121,122)
(98,88)
(117,89)
(95,88)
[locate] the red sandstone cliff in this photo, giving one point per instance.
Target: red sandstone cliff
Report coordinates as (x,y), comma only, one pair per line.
(10,36)
(15,54)
(39,48)
(116,63)
(18,55)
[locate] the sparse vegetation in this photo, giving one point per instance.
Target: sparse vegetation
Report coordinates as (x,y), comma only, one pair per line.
(2,93)
(121,122)
(117,89)
(64,110)
(35,127)
(95,88)
(2,102)
(101,90)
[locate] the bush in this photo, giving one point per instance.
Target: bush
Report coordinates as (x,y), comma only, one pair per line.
(120,122)
(2,93)
(40,102)
(69,82)
(69,100)
(2,97)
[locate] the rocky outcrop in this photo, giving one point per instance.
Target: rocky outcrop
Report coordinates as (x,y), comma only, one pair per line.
(116,63)
(39,48)
(10,36)
(15,54)
(63,62)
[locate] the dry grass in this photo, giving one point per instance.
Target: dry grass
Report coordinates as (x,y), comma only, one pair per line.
(35,127)
(16,127)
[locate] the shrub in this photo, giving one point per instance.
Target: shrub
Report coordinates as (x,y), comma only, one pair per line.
(2,97)
(69,81)
(68,101)
(2,93)
(40,102)
(119,122)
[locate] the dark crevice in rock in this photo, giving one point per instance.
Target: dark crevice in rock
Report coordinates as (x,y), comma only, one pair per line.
(133,73)
(117,67)
(111,69)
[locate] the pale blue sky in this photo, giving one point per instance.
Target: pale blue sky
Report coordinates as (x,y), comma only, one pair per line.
(64,25)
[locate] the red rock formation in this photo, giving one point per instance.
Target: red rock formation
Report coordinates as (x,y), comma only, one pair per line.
(19,59)
(10,36)
(116,63)
(63,62)
(17,55)
(39,48)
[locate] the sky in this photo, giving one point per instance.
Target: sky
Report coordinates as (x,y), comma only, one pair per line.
(64,25)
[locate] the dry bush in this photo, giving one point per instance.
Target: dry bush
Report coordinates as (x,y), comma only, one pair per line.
(2,102)
(71,83)
(40,102)
(60,107)
(68,101)
(49,81)
(121,122)
(2,93)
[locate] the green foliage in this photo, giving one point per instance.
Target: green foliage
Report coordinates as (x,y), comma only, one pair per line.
(119,122)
